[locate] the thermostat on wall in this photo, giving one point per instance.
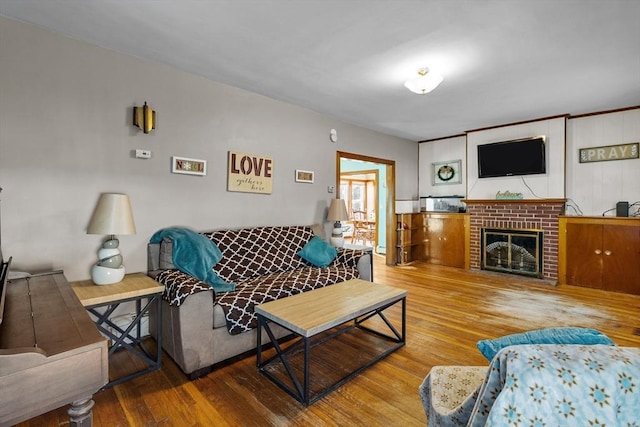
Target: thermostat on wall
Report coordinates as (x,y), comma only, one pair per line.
(143,154)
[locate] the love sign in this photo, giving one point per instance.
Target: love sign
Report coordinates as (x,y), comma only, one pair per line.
(250,173)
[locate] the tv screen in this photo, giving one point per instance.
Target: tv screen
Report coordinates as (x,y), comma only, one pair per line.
(508,158)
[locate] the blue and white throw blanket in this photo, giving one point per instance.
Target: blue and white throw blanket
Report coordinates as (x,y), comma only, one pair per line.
(561,385)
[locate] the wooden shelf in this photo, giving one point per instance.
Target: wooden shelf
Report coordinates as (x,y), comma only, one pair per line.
(513,201)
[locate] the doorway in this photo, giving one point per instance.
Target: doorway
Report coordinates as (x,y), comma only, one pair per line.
(375,178)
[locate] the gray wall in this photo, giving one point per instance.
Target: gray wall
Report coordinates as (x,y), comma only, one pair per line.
(66,136)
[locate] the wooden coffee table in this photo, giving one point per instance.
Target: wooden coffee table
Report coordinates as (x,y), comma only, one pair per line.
(343,306)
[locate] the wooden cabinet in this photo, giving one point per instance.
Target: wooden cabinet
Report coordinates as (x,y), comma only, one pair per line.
(445,242)
(601,253)
(437,238)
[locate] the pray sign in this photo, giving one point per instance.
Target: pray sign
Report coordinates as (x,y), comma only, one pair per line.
(609,152)
(250,173)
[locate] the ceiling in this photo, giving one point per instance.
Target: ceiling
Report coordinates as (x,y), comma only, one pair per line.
(503,61)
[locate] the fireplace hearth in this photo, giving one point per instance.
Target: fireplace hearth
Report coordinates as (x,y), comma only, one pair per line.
(512,251)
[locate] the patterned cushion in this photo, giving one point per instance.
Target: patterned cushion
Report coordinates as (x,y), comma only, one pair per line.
(256,251)
(449,393)
(239,305)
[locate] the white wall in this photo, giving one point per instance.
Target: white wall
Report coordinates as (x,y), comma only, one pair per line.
(591,188)
(66,136)
(596,187)
(547,186)
(442,150)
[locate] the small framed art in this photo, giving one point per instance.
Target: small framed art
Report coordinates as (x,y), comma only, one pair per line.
(446,172)
(188,166)
(304,176)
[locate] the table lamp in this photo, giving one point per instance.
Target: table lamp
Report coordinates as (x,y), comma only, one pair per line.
(112,216)
(337,213)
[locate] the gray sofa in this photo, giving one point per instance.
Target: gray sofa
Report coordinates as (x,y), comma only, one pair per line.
(201,327)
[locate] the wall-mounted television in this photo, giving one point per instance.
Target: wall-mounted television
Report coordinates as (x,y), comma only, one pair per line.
(507,158)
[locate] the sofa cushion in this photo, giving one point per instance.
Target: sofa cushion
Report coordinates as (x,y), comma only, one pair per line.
(563,335)
(318,252)
(239,305)
(256,251)
(166,254)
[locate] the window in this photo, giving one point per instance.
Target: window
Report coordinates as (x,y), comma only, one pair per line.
(359,195)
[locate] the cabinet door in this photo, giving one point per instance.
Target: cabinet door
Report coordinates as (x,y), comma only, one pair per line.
(621,258)
(584,255)
(446,241)
(434,242)
(454,250)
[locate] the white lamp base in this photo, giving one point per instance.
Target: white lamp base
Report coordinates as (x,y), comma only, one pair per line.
(338,242)
(336,236)
(106,276)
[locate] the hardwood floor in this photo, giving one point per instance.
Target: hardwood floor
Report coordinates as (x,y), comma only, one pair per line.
(448,311)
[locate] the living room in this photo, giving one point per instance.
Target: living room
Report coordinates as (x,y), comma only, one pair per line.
(66,135)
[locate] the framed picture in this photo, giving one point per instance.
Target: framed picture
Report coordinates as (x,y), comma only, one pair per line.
(250,173)
(610,152)
(446,172)
(188,166)
(304,176)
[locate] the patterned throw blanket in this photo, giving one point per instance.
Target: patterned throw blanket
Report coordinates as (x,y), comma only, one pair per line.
(264,265)
(538,385)
(561,385)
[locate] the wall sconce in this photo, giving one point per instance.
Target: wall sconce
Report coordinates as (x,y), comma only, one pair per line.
(144,118)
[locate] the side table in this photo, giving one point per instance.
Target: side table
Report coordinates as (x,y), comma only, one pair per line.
(102,301)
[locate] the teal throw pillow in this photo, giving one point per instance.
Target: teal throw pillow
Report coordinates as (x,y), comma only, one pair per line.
(318,252)
(564,335)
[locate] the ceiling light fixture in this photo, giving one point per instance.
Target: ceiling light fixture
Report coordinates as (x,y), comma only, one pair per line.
(424,83)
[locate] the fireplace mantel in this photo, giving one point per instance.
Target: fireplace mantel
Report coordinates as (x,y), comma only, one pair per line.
(512,201)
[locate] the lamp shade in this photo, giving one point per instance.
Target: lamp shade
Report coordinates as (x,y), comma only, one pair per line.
(337,211)
(112,215)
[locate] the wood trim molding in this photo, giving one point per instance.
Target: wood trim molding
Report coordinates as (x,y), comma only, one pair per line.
(606,220)
(444,137)
(513,201)
(597,113)
(520,123)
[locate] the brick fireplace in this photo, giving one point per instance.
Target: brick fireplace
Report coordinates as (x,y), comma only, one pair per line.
(539,214)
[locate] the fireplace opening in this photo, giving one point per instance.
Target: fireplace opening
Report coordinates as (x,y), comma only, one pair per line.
(512,251)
